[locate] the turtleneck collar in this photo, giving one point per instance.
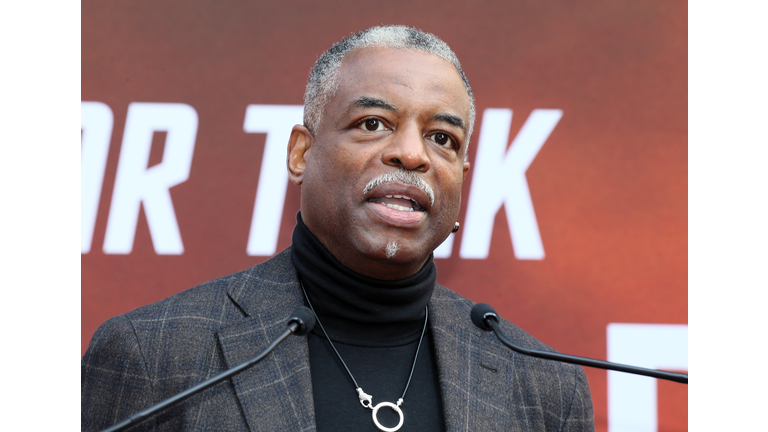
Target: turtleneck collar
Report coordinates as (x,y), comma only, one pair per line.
(356,309)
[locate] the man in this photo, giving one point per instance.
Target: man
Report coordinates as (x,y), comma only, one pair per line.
(380,162)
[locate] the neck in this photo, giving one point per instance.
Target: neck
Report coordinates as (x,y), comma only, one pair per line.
(358,309)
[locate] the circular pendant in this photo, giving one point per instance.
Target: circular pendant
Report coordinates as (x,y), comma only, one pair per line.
(394,407)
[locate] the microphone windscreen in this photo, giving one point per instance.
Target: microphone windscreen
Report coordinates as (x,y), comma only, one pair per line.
(305,318)
(478,314)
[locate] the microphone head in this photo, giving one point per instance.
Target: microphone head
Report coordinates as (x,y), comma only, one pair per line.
(305,318)
(480,313)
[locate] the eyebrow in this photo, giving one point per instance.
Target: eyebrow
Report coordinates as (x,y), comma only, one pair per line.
(451,120)
(369,102)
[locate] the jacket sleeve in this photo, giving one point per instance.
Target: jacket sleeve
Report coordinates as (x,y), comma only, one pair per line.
(114,378)
(580,416)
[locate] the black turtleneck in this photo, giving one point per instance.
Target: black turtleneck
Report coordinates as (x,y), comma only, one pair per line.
(375,325)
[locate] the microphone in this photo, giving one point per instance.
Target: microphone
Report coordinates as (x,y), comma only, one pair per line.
(480,313)
(487,319)
(301,322)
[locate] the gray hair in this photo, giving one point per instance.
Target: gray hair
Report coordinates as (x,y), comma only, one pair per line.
(323,81)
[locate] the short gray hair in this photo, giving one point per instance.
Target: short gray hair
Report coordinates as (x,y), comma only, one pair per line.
(323,81)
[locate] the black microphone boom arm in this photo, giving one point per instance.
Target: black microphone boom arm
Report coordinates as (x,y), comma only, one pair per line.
(301,322)
(486,318)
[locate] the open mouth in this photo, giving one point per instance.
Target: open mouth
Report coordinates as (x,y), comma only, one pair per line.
(398,202)
(398,205)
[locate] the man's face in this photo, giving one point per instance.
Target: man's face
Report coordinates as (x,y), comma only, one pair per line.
(396,110)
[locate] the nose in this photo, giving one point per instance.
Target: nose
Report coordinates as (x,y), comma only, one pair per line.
(407,149)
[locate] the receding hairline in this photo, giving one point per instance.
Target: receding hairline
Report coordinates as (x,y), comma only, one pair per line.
(366,101)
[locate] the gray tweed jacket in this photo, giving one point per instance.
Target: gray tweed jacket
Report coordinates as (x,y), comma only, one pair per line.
(147,355)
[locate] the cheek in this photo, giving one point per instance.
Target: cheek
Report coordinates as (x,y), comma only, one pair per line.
(451,182)
(326,169)
(335,186)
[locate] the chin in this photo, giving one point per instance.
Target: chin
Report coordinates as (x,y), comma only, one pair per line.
(399,251)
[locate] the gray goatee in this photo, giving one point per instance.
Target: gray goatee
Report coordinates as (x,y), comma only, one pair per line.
(391,249)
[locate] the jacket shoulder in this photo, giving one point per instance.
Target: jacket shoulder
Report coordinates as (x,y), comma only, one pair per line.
(152,352)
(461,308)
(206,302)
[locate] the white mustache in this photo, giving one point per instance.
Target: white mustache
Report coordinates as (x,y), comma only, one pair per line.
(403,176)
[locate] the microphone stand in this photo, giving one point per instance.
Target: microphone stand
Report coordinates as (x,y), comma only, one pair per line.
(490,321)
(300,323)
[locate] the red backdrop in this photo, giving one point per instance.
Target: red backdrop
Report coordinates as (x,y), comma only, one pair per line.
(608,186)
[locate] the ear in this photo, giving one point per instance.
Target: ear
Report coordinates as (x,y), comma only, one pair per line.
(466,170)
(298,152)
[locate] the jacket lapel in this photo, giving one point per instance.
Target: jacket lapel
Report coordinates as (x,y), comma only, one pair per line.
(275,394)
(474,372)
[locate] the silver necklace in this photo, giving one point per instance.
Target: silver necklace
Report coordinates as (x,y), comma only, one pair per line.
(366,400)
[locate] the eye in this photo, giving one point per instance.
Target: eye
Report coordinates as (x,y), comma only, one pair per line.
(373,125)
(443,139)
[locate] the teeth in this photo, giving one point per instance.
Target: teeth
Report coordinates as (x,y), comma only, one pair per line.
(402,197)
(397,207)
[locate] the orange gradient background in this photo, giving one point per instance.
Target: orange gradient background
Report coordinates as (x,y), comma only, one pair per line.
(609,186)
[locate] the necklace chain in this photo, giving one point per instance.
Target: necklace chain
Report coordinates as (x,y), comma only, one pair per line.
(366,400)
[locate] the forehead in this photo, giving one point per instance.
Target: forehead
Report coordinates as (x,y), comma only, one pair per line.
(401,75)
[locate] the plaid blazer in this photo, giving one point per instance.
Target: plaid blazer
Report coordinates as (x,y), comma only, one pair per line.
(140,358)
